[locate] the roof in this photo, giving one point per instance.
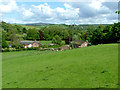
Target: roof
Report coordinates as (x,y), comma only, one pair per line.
(78,42)
(29,42)
(64,46)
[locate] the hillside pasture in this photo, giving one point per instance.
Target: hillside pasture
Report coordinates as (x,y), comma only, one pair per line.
(89,67)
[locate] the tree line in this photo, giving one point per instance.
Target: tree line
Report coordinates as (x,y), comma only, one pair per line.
(94,34)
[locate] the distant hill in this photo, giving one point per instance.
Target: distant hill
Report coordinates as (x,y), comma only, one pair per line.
(37,24)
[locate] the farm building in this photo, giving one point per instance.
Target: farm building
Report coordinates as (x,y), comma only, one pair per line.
(79,43)
(64,47)
(29,44)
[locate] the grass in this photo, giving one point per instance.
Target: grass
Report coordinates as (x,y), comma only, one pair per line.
(30,27)
(89,67)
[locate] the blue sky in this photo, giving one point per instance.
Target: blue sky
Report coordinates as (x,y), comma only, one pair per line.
(94,12)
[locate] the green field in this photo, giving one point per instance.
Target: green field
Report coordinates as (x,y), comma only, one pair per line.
(89,67)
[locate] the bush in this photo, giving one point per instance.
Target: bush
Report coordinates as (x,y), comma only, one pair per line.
(56,40)
(55,46)
(33,48)
(44,46)
(8,49)
(4,44)
(14,46)
(18,49)
(5,50)
(62,43)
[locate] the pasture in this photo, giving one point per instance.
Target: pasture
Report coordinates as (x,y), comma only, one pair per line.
(89,67)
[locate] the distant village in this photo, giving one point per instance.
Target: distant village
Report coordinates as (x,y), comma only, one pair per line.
(56,37)
(73,44)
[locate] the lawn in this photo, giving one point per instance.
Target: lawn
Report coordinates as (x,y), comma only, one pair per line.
(89,67)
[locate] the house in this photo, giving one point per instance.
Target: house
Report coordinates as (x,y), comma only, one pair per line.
(26,46)
(79,43)
(64,47)
(29,44)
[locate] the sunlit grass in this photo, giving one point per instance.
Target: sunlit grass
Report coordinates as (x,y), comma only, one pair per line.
(89,67)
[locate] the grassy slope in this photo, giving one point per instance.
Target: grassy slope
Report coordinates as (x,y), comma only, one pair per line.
(94,66)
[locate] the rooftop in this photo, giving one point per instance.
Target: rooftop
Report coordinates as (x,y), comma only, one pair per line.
(29,42)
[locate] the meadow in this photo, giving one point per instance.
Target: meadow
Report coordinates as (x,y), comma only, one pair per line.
(89,67)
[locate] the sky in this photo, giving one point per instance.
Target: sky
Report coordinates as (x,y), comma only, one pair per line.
(59,12)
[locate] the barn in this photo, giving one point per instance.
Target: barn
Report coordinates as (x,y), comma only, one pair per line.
(79,43)
(64,47)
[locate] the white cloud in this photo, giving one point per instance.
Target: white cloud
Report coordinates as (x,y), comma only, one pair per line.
(67,5)
(8,6)
(44,13)
(12,20)
(95,4)
(27,13)
(68,13)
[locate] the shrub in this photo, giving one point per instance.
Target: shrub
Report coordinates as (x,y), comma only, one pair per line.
(56,40)
(44,46)
(14,46)
(6,50)
(33,48)
(62,43)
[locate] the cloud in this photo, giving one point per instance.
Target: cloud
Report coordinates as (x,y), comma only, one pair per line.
(99,11)
(111,5)
(12,20)
(90,9)
(71,12)
(27,13)
(8,6)
(44,13)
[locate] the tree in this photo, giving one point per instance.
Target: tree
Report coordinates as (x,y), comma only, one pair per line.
(4,43)
(65,34)
(118,12)
(85,36)
(14,39)
(24,30)
(68,40)
(19,29)
(11,30)
(75,37)
(32,34)
(41,35)
(107,34)
(57,40)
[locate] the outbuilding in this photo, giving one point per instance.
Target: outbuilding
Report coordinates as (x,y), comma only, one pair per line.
(79,43)
(29,44)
